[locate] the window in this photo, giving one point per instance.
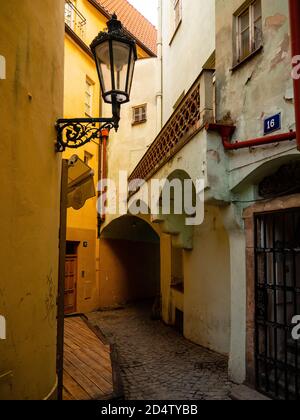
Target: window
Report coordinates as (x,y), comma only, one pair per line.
(74,18)
(88,104)
(177,12)
(87,157)
(69,14)
(139,114)
(175,18)
(249,30)
(2,68)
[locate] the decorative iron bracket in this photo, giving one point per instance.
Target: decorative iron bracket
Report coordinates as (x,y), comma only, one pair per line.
(76,132)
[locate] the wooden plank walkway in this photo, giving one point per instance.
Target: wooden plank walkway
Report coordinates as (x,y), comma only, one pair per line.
(88,372)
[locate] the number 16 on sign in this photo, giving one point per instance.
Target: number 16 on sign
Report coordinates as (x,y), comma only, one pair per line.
(272,124)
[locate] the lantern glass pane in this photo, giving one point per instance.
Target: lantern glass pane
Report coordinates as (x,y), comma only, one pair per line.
(130,71)
(104,66)
(121,52)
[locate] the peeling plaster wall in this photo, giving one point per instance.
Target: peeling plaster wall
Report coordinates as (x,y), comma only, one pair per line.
(31,41)
(246,95)
(258,88)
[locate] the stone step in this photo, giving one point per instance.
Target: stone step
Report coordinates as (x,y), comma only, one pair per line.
(244,393)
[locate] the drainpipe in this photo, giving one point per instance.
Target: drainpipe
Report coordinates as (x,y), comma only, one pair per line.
(102,170)
(104,139)
(226,132)
(99,221)
(159,70)
(295,41)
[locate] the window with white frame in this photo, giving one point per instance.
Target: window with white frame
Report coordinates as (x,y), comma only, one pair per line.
(87,157)
(89,93)
(2,68)
(248,30)
(139,114)
(177,12)
(69,14)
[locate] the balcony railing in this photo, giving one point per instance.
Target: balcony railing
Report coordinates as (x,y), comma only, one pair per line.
(74,19)
(193,113)
(181,127)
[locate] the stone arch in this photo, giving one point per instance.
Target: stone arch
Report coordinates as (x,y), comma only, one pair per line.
(129,262)
(175,224)
(264,170)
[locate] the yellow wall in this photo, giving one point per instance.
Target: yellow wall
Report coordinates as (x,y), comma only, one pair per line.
(129,271)
(31,100)
(207,285)
(87,287)
(82,224)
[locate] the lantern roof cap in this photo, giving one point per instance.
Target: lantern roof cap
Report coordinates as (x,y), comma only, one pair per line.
(115,32)
(137,25)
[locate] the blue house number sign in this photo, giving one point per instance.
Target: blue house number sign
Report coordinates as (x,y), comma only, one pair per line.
(272,124)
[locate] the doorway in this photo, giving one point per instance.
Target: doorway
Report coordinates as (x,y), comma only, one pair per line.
(129,264)
(70,293)
(177,288)
(277,301)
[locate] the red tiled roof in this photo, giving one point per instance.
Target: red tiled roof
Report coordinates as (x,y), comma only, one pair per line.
(133,21)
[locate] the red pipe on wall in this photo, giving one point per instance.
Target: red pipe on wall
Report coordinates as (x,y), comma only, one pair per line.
(295,41)
(226,132)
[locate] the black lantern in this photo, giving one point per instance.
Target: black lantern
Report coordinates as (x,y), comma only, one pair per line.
(115,55)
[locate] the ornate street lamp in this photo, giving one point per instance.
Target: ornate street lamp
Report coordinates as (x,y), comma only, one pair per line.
(115,55)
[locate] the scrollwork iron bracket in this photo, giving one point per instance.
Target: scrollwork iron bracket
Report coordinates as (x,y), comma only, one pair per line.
(75,133)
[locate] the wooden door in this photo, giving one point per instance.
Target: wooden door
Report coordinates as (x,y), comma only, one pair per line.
(70,284)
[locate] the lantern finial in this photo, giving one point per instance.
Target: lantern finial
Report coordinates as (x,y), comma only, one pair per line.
(114,24)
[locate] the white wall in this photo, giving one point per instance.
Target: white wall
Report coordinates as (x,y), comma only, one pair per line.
(191,47)
(129,144)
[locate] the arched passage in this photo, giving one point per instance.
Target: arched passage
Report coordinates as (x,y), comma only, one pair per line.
(129,262)
(174,200)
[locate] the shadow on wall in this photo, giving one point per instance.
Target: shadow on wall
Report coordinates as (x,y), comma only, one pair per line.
(129,262)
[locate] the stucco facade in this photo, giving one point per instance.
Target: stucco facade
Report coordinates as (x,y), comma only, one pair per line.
(83,23)
(243,94)
(136,275)
(261,87)
(80,67)
(203,293)
(82,225)
(186,47)
(31,101)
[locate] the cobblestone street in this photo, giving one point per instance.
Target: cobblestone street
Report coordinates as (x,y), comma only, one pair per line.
(157,363)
